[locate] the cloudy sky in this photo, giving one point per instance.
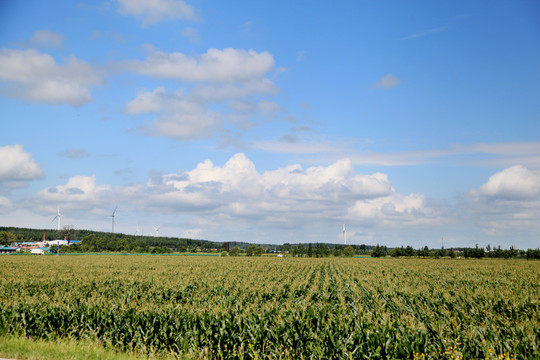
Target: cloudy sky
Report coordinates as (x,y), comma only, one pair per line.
(277,121)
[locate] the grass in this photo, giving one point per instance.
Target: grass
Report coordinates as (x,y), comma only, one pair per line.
(14,347)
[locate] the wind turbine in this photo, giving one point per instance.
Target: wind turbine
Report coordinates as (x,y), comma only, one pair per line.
(344,234)
(112,217)
(137,232)
(156,229)
(58,216)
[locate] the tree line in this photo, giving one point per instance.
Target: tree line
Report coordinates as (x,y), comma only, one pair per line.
(95,241)
(476,252)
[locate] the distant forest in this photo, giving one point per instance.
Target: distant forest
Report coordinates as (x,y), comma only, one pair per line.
(96,241)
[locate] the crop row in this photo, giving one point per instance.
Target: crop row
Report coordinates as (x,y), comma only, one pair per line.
(278,308)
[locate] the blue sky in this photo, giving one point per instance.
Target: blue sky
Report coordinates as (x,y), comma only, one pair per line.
(272,122)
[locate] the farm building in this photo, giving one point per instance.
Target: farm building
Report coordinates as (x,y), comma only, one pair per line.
(7,249)
(39,251)
(56,243)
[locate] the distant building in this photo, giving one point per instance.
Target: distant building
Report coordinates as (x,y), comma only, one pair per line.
(39,251)
(56,243)
(27,246)
(7,249)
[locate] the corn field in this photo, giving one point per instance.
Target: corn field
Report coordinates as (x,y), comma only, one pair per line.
(274,308)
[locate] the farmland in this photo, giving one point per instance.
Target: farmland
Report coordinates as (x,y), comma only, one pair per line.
(212,307)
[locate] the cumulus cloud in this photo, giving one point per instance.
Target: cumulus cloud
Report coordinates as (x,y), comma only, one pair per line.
(36,76)
(201,124)
(198,112)
(148,102)
(80,192)
(212,195)
(508,204)
(154,11)
(227,65)
(47,39)
(394,208)
(17,165)
(514,183)
(238,190)
(182,117)
(386,82)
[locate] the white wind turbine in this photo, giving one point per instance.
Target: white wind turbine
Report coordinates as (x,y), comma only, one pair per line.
(156,229)
(344,234)
(112,218)
(58,216)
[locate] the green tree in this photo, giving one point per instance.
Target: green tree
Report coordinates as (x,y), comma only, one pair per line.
(337,252)
(310,250)
(349,251)
(378,251)
(395,252)
(409,251)
(6,238)
(235,251)
(250,251)
(259,250)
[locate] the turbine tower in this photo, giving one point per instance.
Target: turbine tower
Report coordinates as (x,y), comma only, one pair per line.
(156,229)
(344,234)
(58,216)
(112,218)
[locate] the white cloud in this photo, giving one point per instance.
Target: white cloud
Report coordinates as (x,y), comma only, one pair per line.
(387,82)
(211,197)
(36,76)
(238,190)
(291,144)
(228,65)
(17,165)
(78,189)
(154,11)
(47,39)
(74,153)
(394,209)
(514,183)
(181,117)
(191,34)
(148,102)
(195,233)
(229,86)
(187,115)
(269,108)
(184,126)
(213,92)
(5,205)
(507,206)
